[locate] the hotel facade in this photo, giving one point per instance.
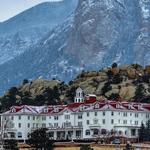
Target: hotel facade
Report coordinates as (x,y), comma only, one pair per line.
(85,119)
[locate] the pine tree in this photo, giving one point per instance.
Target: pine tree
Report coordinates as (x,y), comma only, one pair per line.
(148,130)
(107,87)
(139,93)
(86,147)
(142,133)
(40,140)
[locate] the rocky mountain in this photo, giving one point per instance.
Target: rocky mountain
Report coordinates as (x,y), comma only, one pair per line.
(98,33)
(24,30)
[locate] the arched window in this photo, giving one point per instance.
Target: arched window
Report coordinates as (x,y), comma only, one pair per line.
(87,132)
(103,131)
(19,134)
(95,132)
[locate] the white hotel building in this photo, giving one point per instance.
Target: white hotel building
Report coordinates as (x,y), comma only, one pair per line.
(84,119)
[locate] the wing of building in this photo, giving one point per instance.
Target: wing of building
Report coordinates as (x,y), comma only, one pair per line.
(84,119)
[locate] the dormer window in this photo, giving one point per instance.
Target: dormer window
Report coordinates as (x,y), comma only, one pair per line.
(81,108)
(56,109)
(45,110)
(13,110)
(118,106)
(130,106)
(97,106)
(140,107)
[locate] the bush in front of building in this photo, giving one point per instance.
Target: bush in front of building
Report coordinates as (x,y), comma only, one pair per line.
(86,147)
(38,139)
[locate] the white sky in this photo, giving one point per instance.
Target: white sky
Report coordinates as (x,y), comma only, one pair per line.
(10,8)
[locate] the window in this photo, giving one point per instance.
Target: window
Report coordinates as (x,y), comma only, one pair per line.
(119,121)
(13,110)
(87,132)
(19,117)
(78,133)
(19,135)
(12,135)
(103,113)
(130,121)
(19,125)
(28,117)
(130,114)
(55,124)
(87,122)
(136,115)
(28,125)
(33,117)
(95,121)
(103,121)
(37,117)
(12,117)
(51,134)
(55,117)
(133,132)
(43,125)
(79,116)
(67,124)
(125,114)
(95,113)
(50,125)
(97,106)
(67,116)
(147,115)
(56,109)
(79,124)
(112,121)
(43,117)
(136,122)
(95,132)
(112,113)
(124,121)
(45,110)
(88,114)
(37,125)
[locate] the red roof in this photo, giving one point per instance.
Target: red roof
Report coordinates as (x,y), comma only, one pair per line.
(77,107)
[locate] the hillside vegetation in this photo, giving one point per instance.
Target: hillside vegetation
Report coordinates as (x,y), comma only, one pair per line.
(123,83)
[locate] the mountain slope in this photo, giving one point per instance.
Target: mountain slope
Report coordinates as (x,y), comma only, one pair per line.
(97,34)
(24,30)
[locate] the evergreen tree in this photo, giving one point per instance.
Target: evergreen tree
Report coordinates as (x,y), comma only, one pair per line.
(114,65)
(10,145)
(142,133)
(117,79)
(86,147)
(40,140)
(107,87)
(139,93)
(114,96)
(148,130)
(25,81)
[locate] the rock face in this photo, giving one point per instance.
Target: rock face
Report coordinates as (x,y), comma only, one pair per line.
(24,30)
(98,33)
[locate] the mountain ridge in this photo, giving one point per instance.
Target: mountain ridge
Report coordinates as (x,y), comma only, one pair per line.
(95,35)
(116,83)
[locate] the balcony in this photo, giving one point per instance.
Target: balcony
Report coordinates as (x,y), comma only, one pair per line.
(94,126)
(60,128)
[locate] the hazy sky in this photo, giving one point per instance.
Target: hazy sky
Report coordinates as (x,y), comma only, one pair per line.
(9,8)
